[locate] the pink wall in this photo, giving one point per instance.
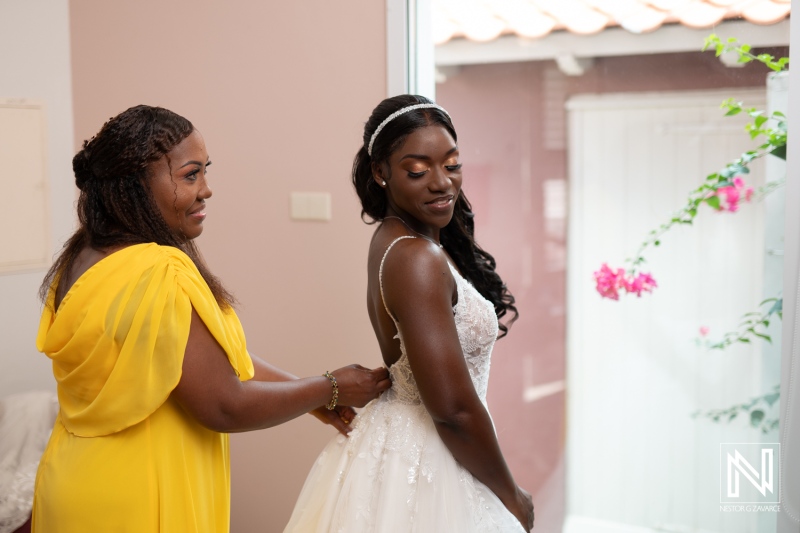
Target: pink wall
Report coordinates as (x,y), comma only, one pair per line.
(280,91)
(511,123)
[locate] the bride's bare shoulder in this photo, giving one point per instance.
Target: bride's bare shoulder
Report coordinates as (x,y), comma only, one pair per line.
(414,262)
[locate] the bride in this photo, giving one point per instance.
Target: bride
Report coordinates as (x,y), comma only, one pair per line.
(424,456)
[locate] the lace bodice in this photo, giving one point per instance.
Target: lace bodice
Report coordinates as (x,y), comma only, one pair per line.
(476,323)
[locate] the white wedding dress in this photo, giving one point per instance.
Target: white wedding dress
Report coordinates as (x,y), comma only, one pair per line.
(393,474)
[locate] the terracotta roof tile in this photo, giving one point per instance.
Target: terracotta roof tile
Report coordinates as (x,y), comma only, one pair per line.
(485,20)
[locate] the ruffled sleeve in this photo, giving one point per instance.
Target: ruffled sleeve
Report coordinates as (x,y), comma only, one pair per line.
(118,339)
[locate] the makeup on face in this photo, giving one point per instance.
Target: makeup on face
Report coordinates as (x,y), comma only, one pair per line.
(180,188)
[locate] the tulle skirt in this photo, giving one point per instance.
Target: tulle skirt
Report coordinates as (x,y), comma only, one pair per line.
(394,474)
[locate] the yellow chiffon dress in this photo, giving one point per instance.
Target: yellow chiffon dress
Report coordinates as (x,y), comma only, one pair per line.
(123,455)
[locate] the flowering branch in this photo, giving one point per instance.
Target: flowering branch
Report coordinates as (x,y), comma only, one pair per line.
(749,326)
(747,330)
(721,191)
(727,184)
(756,408)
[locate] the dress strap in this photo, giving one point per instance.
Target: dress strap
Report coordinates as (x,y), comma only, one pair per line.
(380,271)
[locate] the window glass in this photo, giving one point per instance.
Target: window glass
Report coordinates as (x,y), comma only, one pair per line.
(582,129)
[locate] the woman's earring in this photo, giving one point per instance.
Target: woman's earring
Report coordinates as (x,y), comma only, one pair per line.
(383,184)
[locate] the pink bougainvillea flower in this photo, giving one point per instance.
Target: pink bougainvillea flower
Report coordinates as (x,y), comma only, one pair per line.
(609,281)
(732,195)
(704,330)
(631,284)
(640,283)
(648,282)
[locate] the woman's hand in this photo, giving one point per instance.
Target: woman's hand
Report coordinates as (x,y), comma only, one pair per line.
(359,385)
(341,417)
(522,508)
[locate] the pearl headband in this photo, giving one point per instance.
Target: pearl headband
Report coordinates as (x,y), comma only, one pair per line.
(396,114)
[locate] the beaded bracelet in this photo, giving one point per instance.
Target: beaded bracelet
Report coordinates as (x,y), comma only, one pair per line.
(330,405)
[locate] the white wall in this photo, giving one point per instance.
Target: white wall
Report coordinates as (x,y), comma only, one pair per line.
(35,64)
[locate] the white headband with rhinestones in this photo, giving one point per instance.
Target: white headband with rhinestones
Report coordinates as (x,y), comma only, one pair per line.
(396,114)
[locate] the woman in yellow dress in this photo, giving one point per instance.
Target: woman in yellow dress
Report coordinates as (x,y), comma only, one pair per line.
(149,356)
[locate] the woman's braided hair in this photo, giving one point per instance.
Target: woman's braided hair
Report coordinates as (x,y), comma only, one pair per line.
(457,238)
(116,206)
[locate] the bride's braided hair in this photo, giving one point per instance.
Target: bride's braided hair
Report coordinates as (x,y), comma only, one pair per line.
(116,206)
(457,238)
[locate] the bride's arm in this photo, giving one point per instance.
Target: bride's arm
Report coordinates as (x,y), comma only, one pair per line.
(419,288)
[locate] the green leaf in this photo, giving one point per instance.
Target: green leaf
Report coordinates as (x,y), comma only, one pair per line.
(745,340)
(760,120)
(777,307)
(765,337)
(779,152)
(713,202)
(772,398)
(732,416)
(756,417)
(778,114)
(745,48)
(733,111)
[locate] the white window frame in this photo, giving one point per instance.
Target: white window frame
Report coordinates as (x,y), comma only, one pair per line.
(409,48)
(790,360)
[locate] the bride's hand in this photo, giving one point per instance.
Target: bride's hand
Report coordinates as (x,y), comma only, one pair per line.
(359,385)
(522,508)
(340,417)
